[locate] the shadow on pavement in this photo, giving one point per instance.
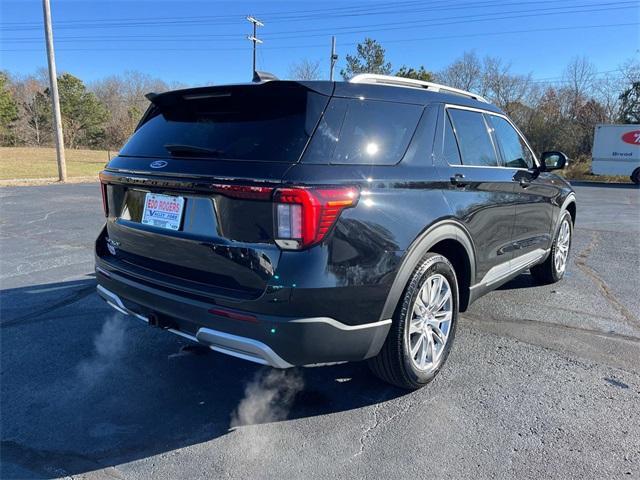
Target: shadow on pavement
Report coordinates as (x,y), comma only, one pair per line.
(524,280)
(85,388)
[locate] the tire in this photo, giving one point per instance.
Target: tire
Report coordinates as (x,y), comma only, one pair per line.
(635,176)
(549,271)
(395,364)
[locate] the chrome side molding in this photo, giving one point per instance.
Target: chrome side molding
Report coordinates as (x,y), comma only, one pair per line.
(503,270)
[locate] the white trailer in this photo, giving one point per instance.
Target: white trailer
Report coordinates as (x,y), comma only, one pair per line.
(616,151)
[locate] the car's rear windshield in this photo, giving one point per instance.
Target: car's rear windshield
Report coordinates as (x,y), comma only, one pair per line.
(257,122)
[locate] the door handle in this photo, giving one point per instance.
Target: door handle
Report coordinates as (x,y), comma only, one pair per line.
(458,180)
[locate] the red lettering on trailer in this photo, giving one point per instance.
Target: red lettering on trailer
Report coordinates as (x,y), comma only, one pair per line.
(632,137)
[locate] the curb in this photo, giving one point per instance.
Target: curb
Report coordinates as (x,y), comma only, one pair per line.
(28,182)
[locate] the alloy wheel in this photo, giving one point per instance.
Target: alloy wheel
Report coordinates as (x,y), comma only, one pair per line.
(562,246)
(429,322)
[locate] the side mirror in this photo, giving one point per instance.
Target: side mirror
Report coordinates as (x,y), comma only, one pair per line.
(554,161)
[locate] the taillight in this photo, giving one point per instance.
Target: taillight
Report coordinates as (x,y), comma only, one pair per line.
(305,215)
(246,192)
(105,207)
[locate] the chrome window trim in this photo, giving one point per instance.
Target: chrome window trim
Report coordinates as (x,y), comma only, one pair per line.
(489,133)
(520,135)
(501,115)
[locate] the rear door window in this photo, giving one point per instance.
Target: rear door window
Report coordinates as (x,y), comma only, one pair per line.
(450,150)
(369,132)
(476,147)
(515,152)
(270,123)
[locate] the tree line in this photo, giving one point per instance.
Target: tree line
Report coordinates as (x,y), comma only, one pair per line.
(102,114)
(554,114)
(557,114)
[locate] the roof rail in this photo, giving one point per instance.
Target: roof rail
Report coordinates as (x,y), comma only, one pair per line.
(411,83)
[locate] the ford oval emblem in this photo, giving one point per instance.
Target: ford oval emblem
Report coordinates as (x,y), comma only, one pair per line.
(159,164)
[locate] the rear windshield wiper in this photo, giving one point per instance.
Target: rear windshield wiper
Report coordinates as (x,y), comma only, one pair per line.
(191,150)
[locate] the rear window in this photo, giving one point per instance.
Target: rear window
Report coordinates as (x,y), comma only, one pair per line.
(474,141)
(370,132)
(259,123)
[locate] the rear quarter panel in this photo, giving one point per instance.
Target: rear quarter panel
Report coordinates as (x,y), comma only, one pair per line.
(350,274)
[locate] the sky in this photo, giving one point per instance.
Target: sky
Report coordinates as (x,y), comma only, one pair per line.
(204,42)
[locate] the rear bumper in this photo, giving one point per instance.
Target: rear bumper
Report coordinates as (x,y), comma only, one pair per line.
(277,341)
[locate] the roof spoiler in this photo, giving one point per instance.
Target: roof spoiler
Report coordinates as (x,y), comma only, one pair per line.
(259,77)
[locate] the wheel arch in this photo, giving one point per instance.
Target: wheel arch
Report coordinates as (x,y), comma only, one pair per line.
(571,208)
(448,238)
(569,204)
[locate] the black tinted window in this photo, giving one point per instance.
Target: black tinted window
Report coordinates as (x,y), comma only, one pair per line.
(515,152)
(356,131)
(450,149)
(474,141)
(264,123)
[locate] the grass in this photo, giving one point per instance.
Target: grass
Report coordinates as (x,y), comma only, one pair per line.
(31,163)
(580,169)
(40,163)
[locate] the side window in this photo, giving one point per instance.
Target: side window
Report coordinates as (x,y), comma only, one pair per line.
(450,147)
(474,141)
(363,132)
(515,152)
(376,132)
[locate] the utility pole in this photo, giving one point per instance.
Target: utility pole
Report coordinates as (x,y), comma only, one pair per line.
(55,99)
(334,57)
(254,38)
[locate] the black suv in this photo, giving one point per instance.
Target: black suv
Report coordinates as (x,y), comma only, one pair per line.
(305,223)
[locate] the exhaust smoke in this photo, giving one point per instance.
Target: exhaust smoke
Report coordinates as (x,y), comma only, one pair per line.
(109,347)
(268,397)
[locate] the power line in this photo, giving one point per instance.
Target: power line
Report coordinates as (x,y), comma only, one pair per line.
(385,42)
(434,23)
(381,8)
(229,35)
(394,9)
(570,9)
(393,25)
(560,78)
(155,21)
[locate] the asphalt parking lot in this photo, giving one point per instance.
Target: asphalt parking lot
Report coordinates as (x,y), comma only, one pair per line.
(543,381)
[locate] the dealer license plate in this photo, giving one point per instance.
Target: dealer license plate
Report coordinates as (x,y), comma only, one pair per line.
(163,211)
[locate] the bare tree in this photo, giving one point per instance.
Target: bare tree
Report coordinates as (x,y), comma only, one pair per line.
(607,92)
(32,126)
(124,97)
(579,75)
(490,77)
(305,70)
(630,71)
(465,73)
(504,88)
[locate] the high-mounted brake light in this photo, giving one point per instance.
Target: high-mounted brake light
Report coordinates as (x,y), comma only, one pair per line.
(105,207)
(305,215)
